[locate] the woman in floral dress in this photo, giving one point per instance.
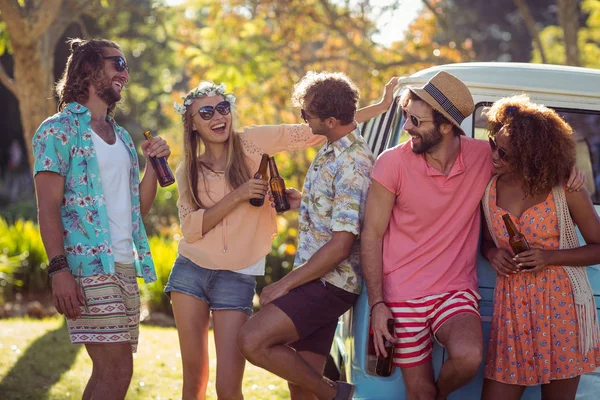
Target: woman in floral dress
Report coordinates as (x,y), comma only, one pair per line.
(545,328)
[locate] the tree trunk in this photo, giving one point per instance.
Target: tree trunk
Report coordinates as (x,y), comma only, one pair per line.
(531,27)
(33,29)
(568,17)
(33,66)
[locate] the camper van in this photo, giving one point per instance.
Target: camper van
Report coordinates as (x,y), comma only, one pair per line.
(575,94)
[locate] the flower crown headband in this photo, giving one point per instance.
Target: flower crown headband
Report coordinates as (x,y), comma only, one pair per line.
(207,89)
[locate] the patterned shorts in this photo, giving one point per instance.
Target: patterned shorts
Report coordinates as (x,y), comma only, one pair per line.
(112,310)
(417,322)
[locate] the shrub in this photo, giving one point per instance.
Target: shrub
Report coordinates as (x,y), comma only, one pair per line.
(164,253)
(23,259)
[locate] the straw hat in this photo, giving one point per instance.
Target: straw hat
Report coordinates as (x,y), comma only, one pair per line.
(448,95)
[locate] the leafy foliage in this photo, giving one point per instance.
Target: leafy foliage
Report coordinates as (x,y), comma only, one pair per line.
(164,253)
(23,259)
(588,39)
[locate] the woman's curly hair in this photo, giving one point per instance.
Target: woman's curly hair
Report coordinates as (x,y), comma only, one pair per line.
(542,145)
(85,65)
(333,95)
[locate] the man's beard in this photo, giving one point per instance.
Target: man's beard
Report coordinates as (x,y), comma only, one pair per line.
(429,139)
(107,93)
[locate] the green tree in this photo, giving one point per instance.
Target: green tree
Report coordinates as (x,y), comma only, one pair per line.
(30,29)
(560,50)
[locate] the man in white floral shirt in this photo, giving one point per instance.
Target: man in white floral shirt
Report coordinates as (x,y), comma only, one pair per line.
(90,208)
(292,334)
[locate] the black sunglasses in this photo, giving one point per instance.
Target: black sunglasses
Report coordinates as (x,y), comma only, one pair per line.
(207,112)
(120,63)
(305,116)
(501,153)
(416,121)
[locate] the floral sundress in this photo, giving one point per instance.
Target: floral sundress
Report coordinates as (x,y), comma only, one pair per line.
(534,333)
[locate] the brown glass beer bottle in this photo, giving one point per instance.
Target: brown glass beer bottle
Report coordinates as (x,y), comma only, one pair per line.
(384,364)
(161,167)
(278,188)
(261,174)
(517,241)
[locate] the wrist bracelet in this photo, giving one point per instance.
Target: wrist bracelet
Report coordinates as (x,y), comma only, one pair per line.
(373,306)
(51,274)
(57,263)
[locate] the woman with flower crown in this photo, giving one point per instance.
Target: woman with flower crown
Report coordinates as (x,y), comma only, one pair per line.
(225,238)
(544,327)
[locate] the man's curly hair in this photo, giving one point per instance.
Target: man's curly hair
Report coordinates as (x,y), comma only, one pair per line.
(331,94)
(85,65)
(542,145)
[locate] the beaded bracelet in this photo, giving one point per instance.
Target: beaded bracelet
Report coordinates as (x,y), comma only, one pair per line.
(51,274)
(57,263)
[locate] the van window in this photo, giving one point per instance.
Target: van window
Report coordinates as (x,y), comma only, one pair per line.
(586,126)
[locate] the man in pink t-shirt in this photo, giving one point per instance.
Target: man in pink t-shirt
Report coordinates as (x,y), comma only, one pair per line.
(420,236)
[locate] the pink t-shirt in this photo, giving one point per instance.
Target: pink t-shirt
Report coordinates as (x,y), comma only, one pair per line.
(430,245)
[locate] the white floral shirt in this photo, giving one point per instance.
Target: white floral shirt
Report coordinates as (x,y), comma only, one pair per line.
(334,197)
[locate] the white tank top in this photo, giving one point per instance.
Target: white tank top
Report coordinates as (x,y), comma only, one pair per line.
(115,168)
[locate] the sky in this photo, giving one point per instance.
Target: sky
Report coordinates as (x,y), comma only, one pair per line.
(392,25)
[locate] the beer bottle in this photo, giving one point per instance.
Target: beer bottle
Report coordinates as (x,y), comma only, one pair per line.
(517,241)
(384,364)
(278,188)
(161,167)
(261,174)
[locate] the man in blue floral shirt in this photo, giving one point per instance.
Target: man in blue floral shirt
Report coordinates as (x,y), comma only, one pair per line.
(292,334)
(90,208)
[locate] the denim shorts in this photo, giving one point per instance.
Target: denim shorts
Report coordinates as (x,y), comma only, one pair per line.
(221,290)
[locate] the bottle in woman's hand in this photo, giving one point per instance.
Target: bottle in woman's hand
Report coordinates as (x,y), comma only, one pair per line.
(261,174)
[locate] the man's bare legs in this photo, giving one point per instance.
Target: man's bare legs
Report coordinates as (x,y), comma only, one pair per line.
(419,382)
(111,372)
(263,341)
(462,337)
(317,361)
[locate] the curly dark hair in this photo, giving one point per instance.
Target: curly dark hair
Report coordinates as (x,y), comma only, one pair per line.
(542,145)
(85,65)
(438,117)
(331,94)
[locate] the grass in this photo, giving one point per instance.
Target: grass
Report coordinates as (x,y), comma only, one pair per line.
(38,361)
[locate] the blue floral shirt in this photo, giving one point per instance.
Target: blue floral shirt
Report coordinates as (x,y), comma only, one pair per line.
(333,200)
(63,144)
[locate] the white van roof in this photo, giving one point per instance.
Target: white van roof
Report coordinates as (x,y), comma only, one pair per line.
(518,77)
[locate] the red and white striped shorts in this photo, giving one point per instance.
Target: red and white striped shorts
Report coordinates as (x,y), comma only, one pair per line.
(417,322)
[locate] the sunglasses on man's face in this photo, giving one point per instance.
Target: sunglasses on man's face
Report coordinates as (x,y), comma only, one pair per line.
(416,121)
(305,116)
(501,153)
(120,63)
(207,112)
